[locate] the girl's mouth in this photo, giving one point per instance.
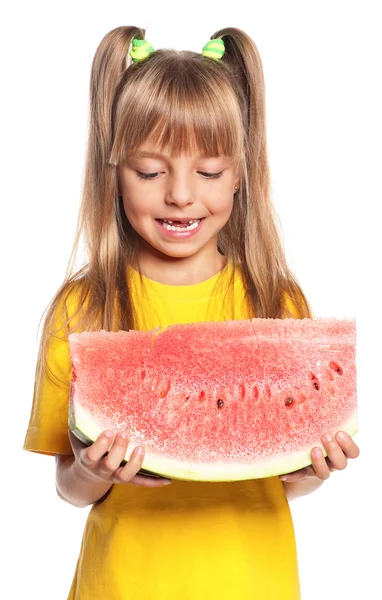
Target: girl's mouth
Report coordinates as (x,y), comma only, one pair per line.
(179,230)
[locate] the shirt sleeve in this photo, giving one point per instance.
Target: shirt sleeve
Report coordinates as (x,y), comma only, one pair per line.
(47,432)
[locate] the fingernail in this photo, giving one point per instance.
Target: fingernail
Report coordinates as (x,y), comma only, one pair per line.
(317,452)
(283,477)
(167,482)
(108,434)
(341,435)
(327,437)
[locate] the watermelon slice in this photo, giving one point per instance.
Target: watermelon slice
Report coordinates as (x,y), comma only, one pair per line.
(218,401)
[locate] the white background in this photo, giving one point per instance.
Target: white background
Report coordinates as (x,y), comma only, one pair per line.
(322,64)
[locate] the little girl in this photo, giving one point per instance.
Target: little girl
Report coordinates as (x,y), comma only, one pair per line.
(180,228)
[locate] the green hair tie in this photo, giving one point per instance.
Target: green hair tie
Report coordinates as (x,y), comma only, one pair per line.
(214,49)
(140,50)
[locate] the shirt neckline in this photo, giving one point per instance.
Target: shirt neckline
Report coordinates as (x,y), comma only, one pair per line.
(194,291)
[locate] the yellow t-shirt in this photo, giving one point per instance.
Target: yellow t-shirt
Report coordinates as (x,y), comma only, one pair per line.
(188,540)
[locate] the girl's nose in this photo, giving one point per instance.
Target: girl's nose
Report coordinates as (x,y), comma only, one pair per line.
(180,191)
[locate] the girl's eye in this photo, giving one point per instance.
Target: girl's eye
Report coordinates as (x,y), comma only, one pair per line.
(146,175)
(152,175)
(213,175)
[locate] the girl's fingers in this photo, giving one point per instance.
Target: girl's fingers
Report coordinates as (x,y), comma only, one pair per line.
(145,481)
(96,451)
(90,455)
(338,448)
(297,475)
(103,460)
(116,454)
(337,458)
(129,471)
(347,444)
(319,464)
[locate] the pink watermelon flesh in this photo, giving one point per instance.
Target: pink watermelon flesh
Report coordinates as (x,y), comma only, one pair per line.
(218,401)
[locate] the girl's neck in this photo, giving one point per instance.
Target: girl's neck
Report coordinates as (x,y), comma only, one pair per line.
(182,271)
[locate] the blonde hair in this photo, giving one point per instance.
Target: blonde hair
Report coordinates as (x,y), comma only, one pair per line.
(190,102)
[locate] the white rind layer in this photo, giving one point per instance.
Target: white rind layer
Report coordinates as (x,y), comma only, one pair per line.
(85,426)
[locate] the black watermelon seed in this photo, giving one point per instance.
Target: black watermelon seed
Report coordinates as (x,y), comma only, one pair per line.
(289,401)
(220,403)
(316,385)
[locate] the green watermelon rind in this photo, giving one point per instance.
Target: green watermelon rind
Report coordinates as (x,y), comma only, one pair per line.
(87,429)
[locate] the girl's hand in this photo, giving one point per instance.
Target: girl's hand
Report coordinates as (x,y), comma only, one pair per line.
(339,449)
(93,464)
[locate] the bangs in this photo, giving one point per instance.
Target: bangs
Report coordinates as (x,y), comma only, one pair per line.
(187,106)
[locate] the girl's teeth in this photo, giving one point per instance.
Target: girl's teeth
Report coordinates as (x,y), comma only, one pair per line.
(183,224)
(190,227)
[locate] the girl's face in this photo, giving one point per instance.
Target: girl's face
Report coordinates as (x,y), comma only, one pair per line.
(154,186)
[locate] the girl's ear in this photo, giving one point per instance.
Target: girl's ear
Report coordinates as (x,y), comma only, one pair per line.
(237,180)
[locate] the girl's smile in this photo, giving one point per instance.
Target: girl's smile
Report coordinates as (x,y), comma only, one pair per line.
(179,230)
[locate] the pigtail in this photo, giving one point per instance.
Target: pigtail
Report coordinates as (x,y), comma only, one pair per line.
(110,62)
(104,224)
(269,281)
(86,299)
(243,60)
